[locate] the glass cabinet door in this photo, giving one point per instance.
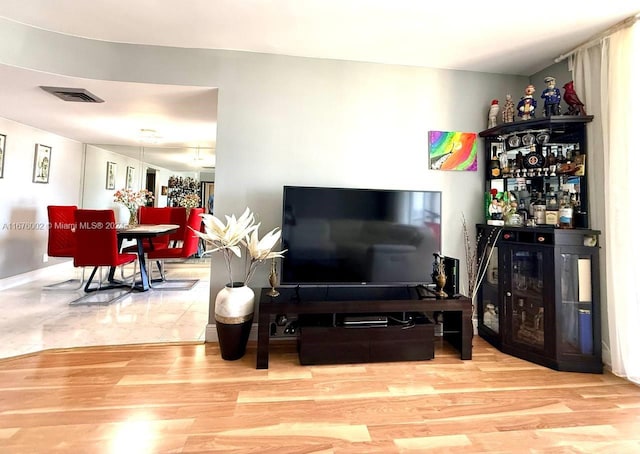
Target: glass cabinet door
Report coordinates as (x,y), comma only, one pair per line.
(489,299)
(575,317)
(525,302)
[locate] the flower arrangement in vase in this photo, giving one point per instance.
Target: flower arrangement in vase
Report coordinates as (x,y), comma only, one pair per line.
(234,303)
(190,201)
(132,200)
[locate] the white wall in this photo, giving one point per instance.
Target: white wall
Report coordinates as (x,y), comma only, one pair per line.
(562,74)
(23,205)
(330,123)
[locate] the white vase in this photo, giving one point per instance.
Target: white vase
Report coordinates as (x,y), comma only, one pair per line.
(234,315)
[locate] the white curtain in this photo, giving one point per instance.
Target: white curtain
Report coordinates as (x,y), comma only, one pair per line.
(606,76)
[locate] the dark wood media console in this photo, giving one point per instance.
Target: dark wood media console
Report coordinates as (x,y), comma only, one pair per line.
(366,343)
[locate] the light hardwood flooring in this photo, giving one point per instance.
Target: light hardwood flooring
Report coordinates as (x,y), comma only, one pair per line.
(183,398)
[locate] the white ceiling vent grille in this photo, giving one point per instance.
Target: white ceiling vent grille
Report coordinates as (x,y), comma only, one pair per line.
(72,94)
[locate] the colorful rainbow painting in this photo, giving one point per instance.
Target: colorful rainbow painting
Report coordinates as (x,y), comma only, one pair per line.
(453,151)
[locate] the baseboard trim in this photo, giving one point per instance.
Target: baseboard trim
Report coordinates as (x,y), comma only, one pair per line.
(60,271)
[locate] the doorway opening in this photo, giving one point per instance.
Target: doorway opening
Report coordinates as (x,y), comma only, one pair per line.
(151,184)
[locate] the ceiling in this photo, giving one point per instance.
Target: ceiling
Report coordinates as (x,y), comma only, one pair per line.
(183,117)
(501,36)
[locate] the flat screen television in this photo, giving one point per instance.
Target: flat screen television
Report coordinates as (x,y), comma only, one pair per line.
(359,236)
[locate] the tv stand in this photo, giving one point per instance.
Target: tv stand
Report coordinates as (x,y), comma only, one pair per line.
(318,309)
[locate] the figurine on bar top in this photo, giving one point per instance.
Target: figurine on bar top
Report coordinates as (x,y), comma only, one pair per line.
(527,105)
(493,114)
(576,107)
(508,110)
(551,96)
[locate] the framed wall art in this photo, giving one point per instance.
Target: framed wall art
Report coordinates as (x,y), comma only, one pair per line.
(111,175)
(453,150)
(3,140)
(41,163)
(130,177)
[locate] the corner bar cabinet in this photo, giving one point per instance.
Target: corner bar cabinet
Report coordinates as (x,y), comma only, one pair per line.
(539,299)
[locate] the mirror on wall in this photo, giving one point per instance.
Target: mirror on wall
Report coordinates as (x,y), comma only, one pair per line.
(108,168)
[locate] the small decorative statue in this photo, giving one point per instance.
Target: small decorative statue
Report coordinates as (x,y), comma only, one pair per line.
(551,96)
(508,110)
(273,279)
(527,104)
(493,114)
(439,275)
(576,107)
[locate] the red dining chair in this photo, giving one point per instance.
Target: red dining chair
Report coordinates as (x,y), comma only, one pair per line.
(153,215)
(161,215)
(189,247)
(62,241)
(97,245)
(178,216)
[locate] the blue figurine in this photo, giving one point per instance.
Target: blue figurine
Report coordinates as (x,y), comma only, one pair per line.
(527,104)
(551,96)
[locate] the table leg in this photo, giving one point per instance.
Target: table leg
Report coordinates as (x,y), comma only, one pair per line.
(144,278)
(262,356)
(458,330)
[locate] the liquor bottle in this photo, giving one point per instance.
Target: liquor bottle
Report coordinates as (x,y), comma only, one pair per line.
(579,215)
(523,212)
(569,152)
(551,157)
(560,157)
(552,201)
(519,160)
(565,213)
(540,212)
(551,214)
(532,202)
(494,165)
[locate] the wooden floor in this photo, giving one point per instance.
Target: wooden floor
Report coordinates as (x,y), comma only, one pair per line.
(186,399)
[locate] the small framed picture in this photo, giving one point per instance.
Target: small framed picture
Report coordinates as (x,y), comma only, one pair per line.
(3,140)
(130,177)
(111,175)
(41,164)
(163,190)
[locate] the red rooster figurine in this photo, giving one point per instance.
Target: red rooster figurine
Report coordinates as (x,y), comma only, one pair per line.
(576,107)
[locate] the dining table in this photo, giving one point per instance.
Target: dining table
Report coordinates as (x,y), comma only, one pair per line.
(141,233)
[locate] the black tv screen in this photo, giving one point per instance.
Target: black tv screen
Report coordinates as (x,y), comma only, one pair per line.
(359,236)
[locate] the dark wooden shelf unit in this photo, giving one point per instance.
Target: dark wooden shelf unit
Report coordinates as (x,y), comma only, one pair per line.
(566,142)
(323,341)
(540,297)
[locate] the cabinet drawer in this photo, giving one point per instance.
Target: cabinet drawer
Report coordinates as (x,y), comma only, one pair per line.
(338,345)
(403,344)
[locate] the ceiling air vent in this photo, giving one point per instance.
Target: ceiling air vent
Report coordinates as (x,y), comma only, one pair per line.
(72,94)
